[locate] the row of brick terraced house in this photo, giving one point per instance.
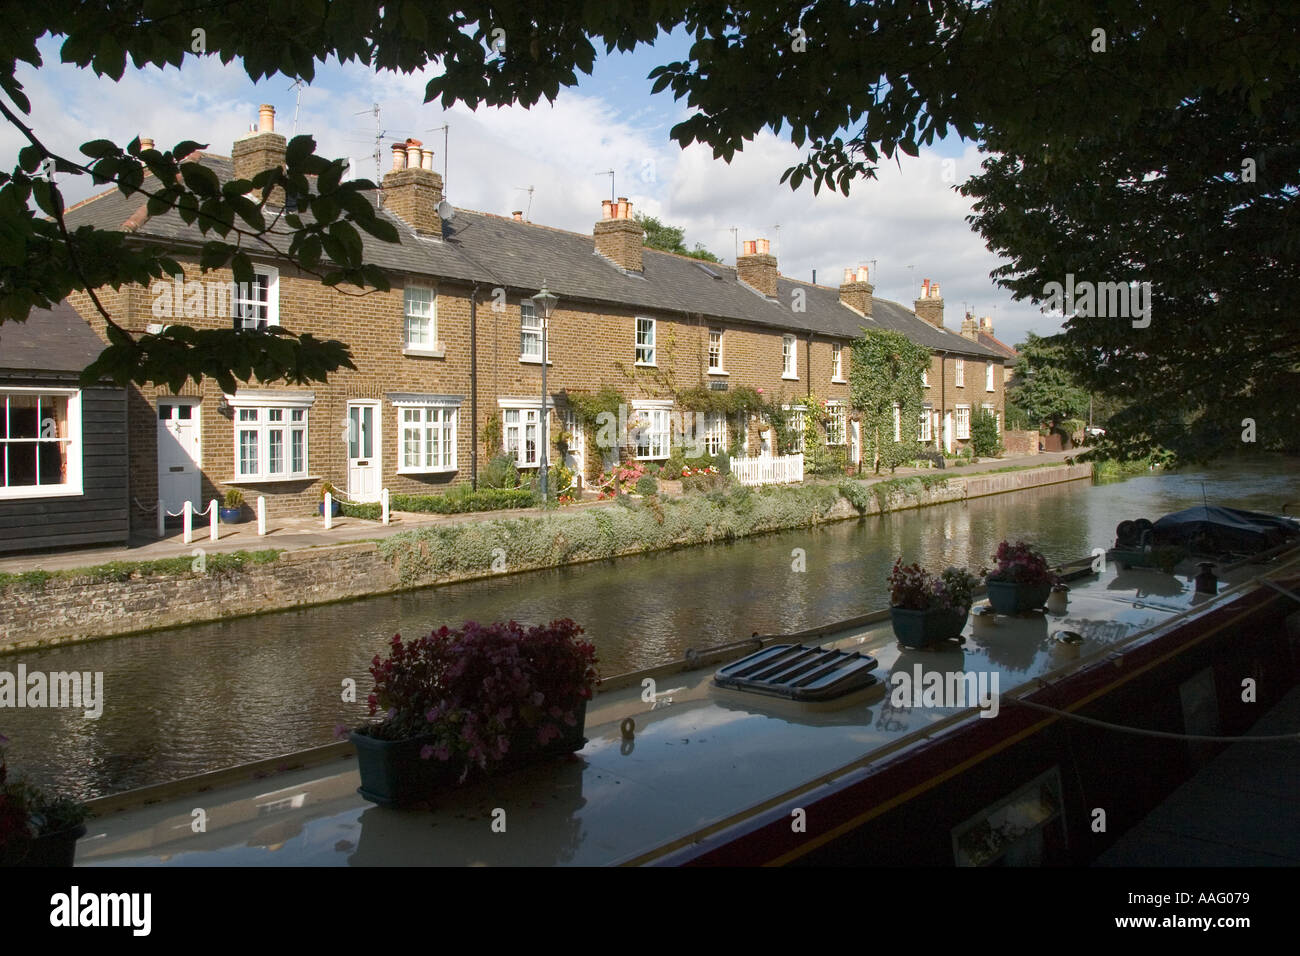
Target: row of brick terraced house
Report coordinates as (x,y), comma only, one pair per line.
(453,352)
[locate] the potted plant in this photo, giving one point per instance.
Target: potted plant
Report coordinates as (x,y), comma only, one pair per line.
(469,701)
(927,608)
(327,489)
(233,512)
(1021,580)
(36,829)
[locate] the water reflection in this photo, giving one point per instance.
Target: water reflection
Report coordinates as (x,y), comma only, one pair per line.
(193,699)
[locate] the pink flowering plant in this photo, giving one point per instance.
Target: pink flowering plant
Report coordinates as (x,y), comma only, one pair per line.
(479,690)
(916,589)
(1021,563)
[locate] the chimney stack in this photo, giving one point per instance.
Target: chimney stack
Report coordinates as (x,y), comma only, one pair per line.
(412,190)
(618,237)
(986,325)
(756,267)
(855,290)
(260,150)
(517,215)
(929,307)
(969,327)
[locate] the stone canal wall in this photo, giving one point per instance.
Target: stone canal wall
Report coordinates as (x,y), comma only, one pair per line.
(65,607)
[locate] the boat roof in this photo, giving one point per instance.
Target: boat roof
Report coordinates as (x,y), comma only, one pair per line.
(701,758)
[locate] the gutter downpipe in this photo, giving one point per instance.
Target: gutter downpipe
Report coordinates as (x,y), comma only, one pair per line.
(473,387)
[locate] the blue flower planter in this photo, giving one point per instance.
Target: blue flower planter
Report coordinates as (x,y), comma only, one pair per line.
(393,774)
(232,515)
(922,628)
(337,509)
(1010,597)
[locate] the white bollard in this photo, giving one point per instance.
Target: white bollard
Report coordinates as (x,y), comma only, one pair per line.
(187,510)
(212,520)
(162,518)
(261,516)
(329,511)
(383,504)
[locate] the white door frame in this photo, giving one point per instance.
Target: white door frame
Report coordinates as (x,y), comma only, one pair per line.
(167,479)
(375,462)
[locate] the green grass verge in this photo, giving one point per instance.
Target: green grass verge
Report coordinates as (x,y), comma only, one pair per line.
(218,562)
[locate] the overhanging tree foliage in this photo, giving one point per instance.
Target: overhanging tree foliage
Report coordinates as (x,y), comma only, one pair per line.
(886,371)
(1073,95)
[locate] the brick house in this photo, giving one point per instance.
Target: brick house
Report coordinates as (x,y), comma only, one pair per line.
(453,352)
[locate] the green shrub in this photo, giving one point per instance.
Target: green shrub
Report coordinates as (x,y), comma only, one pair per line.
(499,473)
(672,469)
(461,501)
(371,511)
(647,485)
(723,462)
(985,436)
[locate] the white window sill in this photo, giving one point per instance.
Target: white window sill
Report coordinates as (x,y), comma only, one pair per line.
(427,471)
(653,457)
(718,371)
(925,384)
(990,390)
(28,492)
(530,360)
(839,381)
(789,378)
(260,480)
(645,364)
(415,351)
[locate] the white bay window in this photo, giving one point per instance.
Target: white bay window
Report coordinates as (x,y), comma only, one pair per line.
(270,436)
(426,432)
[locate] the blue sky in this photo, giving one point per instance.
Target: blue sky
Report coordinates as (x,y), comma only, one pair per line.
(907,225)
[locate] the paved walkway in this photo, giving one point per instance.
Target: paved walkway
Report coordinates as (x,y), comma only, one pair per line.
(289,533)
(1242,809)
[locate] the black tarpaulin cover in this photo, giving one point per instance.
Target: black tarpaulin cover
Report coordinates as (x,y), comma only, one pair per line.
(1223,529)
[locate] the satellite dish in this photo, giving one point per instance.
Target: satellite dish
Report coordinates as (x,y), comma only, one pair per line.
(446,211)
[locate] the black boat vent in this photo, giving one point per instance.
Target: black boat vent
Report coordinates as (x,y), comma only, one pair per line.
(799,672)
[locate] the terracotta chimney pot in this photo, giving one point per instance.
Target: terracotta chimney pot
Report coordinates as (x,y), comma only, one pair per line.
(517,215)
(266,118)
(399,156)
(607,209)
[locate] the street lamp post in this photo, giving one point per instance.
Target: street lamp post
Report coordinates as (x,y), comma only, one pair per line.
(544,302)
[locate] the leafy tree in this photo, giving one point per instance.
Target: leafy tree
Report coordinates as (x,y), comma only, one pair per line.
(1043,386)
(659,235)
(886,371)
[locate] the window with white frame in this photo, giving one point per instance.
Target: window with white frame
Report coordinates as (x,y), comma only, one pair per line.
(256,305)
(40,443)
(427,432)
(988,376)
(715,432)
(715,350)
(924,433)
(789,358)
(993,411)
(652,431)
(530,333)
(645,341)
(522,434)
(963,421)
(798,422)
(959,373)
(925,377)
(837,362)
(898,422)
(837,428)
(421,332)
(270,437)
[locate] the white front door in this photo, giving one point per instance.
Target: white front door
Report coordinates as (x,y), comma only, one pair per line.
(178,453)
(364,475)
(577,454)
(855,444)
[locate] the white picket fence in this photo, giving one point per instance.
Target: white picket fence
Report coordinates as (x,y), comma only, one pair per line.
(786,469)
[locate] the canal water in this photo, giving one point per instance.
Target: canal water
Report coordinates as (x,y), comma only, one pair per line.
(192,699)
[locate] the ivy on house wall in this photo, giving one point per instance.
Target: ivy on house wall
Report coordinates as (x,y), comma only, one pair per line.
(886,370)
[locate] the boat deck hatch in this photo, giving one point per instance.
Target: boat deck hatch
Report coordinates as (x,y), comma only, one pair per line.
(799,672)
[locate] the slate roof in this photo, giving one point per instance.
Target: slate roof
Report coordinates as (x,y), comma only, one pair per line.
(997,345)
(497,251)
(51,340)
